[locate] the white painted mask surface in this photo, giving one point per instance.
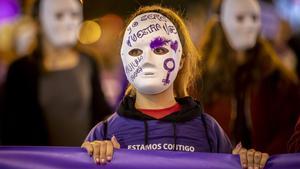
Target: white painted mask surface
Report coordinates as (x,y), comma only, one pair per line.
(241,22)
(151,53)
(60,21)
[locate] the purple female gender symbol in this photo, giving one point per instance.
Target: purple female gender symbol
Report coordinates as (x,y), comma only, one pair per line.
(169,69)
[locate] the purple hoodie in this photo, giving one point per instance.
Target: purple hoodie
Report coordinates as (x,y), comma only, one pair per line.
(188,130)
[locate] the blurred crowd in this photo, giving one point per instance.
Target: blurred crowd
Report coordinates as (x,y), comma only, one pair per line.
(61,72)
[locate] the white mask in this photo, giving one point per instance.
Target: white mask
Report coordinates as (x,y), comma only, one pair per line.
(241,22)
(60,21)
(151,53)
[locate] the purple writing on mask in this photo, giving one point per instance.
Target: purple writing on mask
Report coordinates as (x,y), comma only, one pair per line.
(135,73)
(167,26)
(169,29)
(160,41)
(135,24)
(141,33)
(154,16)
(133,65)
(169,66)
(174,45)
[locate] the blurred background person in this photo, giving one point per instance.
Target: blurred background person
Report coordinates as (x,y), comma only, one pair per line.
(282,48)
(294,44)
(281,21)
(10,10)
(17,39)
(105,49)
(113,80)
(245,86)
(24,39)
(9,17)
(53,96)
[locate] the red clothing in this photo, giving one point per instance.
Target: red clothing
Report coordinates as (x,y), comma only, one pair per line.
(161,113)
(294,143)
(273,105)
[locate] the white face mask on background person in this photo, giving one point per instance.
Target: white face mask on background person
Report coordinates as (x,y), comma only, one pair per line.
(151,53)
(60,21)
(241,22)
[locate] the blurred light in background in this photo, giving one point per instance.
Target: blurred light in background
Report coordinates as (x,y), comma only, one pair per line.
(270,20)
(290,11)
(101,38)
(89,33)
(274,13)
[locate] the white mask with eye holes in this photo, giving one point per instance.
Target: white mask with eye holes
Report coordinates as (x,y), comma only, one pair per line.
(151,53)
(241,22)
(60,21)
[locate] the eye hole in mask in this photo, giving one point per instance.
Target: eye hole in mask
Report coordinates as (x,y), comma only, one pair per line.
(59,15)
(254,17)
(161,51)
(75,14)
(135,52)
(240,18)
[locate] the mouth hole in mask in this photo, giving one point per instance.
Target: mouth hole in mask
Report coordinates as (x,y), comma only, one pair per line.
(149,73)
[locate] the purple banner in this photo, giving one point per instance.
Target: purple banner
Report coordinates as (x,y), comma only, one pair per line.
(76,158)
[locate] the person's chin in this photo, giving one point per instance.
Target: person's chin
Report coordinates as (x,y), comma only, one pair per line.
(149,87)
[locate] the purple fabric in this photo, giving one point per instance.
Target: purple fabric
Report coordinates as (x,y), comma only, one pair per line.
(76,158)
(284,161)
(190,136)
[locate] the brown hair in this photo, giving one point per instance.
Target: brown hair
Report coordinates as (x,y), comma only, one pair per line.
(185,80)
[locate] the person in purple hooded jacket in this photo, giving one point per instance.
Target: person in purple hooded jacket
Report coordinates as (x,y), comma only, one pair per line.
(157,112)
